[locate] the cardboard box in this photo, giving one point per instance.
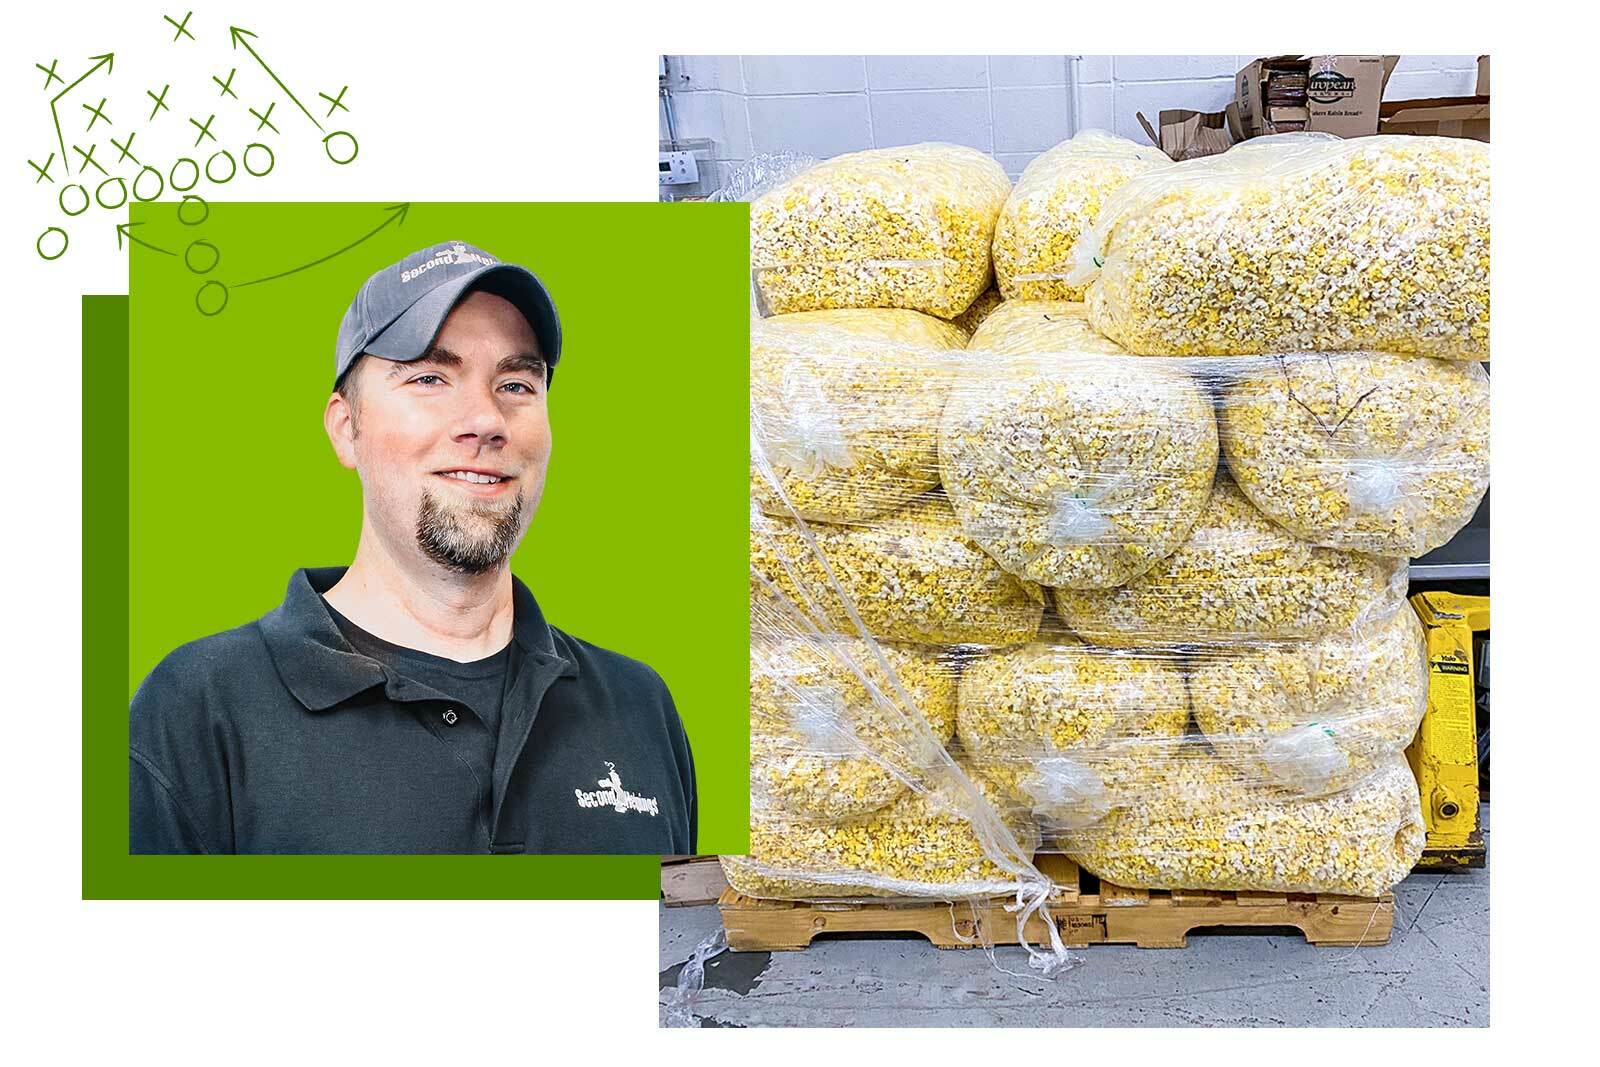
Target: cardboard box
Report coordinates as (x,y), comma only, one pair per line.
(1458,116)
(1483,76)
(1186,134)
(1339,94)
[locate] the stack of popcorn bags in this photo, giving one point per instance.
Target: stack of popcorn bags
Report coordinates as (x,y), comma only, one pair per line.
(1110,558)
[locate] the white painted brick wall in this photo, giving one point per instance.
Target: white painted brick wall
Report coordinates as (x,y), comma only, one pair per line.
(1011,106)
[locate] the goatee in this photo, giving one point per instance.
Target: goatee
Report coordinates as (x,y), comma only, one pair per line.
(469,538)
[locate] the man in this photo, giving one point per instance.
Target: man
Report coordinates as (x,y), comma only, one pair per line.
(418,701)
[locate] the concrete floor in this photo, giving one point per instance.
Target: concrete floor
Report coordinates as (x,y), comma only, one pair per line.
(1433,972)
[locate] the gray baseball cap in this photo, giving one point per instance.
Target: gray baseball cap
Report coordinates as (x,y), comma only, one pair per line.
(398,312)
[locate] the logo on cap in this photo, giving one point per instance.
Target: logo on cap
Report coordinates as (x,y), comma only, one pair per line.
(455,255)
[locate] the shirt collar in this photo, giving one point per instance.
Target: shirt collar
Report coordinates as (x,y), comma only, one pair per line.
(322,670)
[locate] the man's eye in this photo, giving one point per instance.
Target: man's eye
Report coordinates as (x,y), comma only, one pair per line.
(521,387)
(425,379)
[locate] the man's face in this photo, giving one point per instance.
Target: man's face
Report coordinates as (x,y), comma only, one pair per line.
(452,448)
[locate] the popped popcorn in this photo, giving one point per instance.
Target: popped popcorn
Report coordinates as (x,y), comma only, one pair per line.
(970,319)
(1021,326)
(831,737)
(1360,450)
(1299,243)
(1238,577)
(1314,717)
(912,576)
(845,408)
(1074,470)
(940,842)
(1058,197)
(1195,823)
(1060,726)
(905,227)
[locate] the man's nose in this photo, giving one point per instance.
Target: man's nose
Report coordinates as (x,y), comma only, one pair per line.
(480,417)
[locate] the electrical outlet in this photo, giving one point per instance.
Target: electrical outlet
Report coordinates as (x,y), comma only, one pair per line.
(679,168)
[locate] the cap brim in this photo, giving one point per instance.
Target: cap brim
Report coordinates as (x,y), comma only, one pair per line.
(410,335)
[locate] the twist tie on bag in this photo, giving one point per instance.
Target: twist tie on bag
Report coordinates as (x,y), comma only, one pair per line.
(808,438)
(1305,758)
(1373,485)
(1076,520)
(1033,897)
(1067,791)
(677,1004)
(822,721)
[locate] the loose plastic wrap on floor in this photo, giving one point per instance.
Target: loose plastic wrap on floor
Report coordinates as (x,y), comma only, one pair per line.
(1374,452)
(1298,243)
(848,404)
(1195,822)
(1078,471)
(912,576)
(1238,577)
(1058,197)
(1313,717)
(906,227)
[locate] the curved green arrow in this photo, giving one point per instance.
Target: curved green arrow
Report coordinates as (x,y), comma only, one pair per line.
(106,61)
(397,213)
(125,229)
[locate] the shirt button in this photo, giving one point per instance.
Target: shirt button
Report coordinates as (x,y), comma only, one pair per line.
(450,717)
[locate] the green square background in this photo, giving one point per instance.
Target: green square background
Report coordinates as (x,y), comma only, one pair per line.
(640,543)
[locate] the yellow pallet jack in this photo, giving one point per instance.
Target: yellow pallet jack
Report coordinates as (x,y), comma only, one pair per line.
(1444,754)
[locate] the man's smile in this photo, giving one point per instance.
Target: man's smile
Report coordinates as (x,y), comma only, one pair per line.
(479,481)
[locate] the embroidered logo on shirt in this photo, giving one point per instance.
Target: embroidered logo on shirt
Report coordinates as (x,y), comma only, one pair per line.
(612,795)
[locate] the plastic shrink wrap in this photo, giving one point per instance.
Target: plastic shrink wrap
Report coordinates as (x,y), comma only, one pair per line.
(906,227)
(1300,242)
(1359,450)
(1238,577)
(980,309)
(1032,326)
(847,407)
(1059,196)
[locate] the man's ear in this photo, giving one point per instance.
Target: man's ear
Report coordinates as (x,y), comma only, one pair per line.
(339,420)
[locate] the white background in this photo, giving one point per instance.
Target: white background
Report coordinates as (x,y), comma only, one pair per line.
(462,101)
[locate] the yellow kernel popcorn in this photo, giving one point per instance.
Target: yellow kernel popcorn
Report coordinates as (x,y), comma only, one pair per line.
(832,734)
(1060,195)
(1299,243)
(1238,577)
(1360,450)
(1022,326)
(1074,470)
(906,227)
(970,319)
(1196,823)
(944,841)
(845,409)
(912,576)
(1061,726)
(1314,717)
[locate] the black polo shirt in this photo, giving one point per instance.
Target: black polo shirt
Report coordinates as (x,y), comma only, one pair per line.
(278,736)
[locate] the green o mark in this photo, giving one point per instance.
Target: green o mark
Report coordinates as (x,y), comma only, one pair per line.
(120,183)
(172,175)
(335,151)
(201,257)
(160,186)
(61,199)
(233,168)
(271,159)
(211,298)
(205,210)
(38,246)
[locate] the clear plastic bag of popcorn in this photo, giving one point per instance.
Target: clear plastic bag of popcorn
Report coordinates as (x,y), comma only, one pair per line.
(1017,327)
(1360,450)
(906,227)
(1238,577)
(828,738)
(912,576)
(1072,469)
(1314,717)
(1196,822)
(1059,196)
(846,405)
(1298,243)
(969,320)
(1061,725)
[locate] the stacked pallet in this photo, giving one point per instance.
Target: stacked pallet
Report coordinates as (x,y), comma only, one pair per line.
(1123,579)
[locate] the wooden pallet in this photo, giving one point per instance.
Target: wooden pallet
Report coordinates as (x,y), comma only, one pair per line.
(688,880)
(1085,910)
